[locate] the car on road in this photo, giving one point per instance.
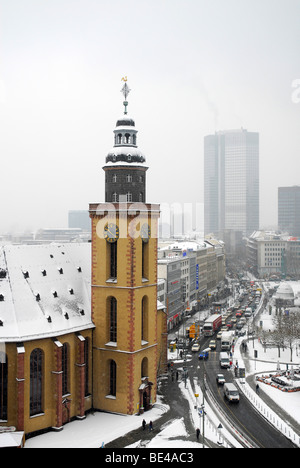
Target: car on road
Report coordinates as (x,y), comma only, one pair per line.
(203,355)
(220,379)
(212,344)
(195,347)
(219,335)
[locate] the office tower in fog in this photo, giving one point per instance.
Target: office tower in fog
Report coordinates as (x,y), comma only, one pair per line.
(289,210)
(231,182)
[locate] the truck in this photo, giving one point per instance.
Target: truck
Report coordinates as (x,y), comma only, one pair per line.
(224,361)
(226,341)
(212,324)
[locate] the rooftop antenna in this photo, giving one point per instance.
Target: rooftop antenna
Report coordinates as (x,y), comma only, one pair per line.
(125,90)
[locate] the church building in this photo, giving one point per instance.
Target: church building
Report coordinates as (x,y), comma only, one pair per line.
(80,328)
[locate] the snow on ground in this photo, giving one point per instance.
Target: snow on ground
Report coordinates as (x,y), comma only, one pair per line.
(92,432)
(102,428)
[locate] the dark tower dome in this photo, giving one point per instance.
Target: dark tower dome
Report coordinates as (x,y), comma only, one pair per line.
(125,121)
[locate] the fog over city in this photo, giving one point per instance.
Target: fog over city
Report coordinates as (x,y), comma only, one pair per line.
(194,67)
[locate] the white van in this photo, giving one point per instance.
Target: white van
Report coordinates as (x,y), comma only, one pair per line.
(224,361)
(231,393)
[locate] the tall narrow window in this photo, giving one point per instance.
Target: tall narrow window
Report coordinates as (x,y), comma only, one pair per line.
(65,369)
(144,319)
(36,382)
(87,369)
(113,260)
(3,386)
(145,260)
(112,378)
(113,320)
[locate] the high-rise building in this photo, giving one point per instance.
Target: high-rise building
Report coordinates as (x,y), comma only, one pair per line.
(231,181)
(289,210)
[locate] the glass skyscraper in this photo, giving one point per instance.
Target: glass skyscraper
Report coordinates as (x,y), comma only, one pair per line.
(231,182)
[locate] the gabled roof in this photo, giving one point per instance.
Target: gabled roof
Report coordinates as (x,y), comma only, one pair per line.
(44,290)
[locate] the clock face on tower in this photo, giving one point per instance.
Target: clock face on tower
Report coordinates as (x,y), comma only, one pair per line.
(145,233)
(111,233)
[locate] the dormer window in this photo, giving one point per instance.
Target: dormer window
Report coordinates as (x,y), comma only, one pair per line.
(79,269)
(82,312)
(66,316)
(71,291)
(49,319)
(61,271)
(1,298)
(55,294)
(1,323)
(25,274)
(38,297)
(44,273)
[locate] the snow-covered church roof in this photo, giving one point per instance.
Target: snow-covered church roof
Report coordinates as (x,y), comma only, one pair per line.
(44,290)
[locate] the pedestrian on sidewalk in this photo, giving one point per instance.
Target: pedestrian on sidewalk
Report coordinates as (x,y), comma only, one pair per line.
(150,426)
(144,424)
(198,433)
(257,389)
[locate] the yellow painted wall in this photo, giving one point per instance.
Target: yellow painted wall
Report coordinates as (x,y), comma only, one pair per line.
(48,418)
(129,291)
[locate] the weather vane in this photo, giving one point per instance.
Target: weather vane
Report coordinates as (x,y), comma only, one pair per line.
(125,90)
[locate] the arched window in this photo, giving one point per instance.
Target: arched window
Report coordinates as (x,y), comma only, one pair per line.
(127,138)
(119,138)
(65,369)
(36,382)
(113,320)
(112,378)
(144,368)
(3,386)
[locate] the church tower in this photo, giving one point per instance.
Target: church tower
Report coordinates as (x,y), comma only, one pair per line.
(127,349)
(125,170)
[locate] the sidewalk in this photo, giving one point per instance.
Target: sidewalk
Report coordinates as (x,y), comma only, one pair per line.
(179,408)
(264,397)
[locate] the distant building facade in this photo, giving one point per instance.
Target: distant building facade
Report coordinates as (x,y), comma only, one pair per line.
(191,271)
(273,254)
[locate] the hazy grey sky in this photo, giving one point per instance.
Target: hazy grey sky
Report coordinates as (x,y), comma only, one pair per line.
(194,67)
